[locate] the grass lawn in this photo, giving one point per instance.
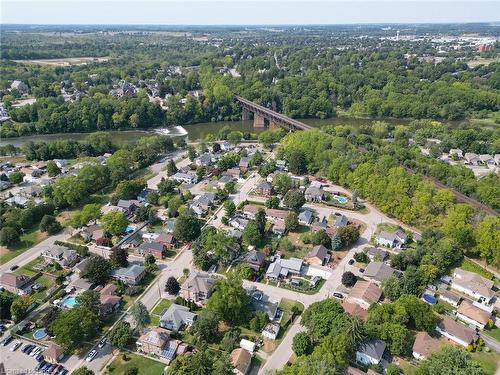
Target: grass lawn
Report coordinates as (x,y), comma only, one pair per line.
(146,366)
(28,240)
(407,367)
(469,265)
(495,333)
(488,361)
(387,227)
(161,306)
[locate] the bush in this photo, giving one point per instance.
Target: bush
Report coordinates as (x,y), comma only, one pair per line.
(361,257)
(349,279)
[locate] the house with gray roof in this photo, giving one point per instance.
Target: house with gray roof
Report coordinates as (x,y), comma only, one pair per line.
(177,317)
(314,194)
(340,220)
(197,288)
(282,268)
(306,217)
(392,239)
(60,254)
(254,259)
(131,275)
(378,272)
(371,352)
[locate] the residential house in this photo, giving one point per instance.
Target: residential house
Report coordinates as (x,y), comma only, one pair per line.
(233,172)
(153,341)
(143,195)
(238,223)
(364,293)
(60,254)
(17,200)
(471,158)
(354,309)
(170,225)
(202,203)
(318,255)
(61,163)
(221,183)
(271,330)
(314,194)
(306,217)
(448,296)
(19,86)
(250,210)
(80,267)
(100,237)
(424,345)
(247,345)
(473,315)
(281,165)
(244,164)
(197,288)
(472,284)
(187,177)
(284,267)
(53,353)
(4,185)
(226,146)
(109,208)
(340,220)
(378,272)
(376,254)
(241,360)
(279,227)
(108,299)
(131,275)
(14,283)
(204,160)
(254,259)
(356,371)
(487,160)
(371,352)
(456,332)
(456,151)
(276,214)
(392,240)
(154,248)
(167,239)
(128,205)
(236,233)
(264,189)
(177,317)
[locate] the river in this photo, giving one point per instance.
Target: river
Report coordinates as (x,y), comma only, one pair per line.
(193,132)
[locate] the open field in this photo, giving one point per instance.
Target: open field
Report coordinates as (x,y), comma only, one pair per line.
(30,239)
(482,61)
(64,61)
(144,365)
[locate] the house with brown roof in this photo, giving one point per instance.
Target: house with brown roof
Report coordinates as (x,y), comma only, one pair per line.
(53,353)
(154,248)
(108,299)
(364,293)
(354,309)
(14,283)
(424,345)
(456,332)
(472,284)
(197,288)
(241,360)
(167,239)
(356,371)
(153,341)
(264,188)
(318,255)
(471,314)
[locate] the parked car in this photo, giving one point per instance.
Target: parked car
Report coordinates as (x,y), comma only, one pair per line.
(361,270)
(338,295)
(40,365)
(7,340)
(91,355)
(13,268)
(351,262)
(102,343)
(15,346)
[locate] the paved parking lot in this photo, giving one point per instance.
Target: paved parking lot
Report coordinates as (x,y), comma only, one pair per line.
(16,362)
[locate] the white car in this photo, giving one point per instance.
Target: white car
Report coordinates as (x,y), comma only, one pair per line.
(91,355)
(35,351)
(15,346)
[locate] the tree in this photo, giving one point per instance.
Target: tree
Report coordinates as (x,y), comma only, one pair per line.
(16,177)
(450,360)
(129,189)
(6,299)
(273,202)
(258,321)
(361,257)
(206,327)
(392,288)
(150,263)
(83,371)
(294,199)
(114,222)
(121,335)
(97,270)
(323,317)
(50,225)
(231,339)
(19,308)
(9,236)
(251,234)
(487,236)
(260,220)
(291,221)
(349,279)
(282,182)
(171,168)
(73,327)
(297,162)
(422,317)
(140,314)
(119,257)
(187,228)
(234,137)
(302,344)
(166,186)
(321,238)
(337,242)
(120,165)
(349,234)
(89,299)
(230,300)
(229,208)
(172,286)
(52,168)
(89,212)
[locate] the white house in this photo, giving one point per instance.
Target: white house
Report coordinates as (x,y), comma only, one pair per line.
(473,315)
(371,352)
(456,332)
(472,284)
(271,330)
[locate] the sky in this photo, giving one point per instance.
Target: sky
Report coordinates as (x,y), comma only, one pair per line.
(242,12)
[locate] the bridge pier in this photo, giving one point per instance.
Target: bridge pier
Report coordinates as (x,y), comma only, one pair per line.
(258,121)
(245,114)
(273,124)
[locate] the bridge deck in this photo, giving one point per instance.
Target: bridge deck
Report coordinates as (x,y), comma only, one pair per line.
(273,114)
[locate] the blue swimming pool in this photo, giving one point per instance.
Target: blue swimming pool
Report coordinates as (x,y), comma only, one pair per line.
(129,229)
(69,301)
(340,199)
(39,334)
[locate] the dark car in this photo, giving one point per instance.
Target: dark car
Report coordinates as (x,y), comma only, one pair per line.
(7,340)
(361,270)
(13,268)
(351,262)
(40,365)
(338,295)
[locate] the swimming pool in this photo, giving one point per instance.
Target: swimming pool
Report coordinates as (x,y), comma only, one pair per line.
(130,229)
(39,334)
(69,301)
(340,199)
